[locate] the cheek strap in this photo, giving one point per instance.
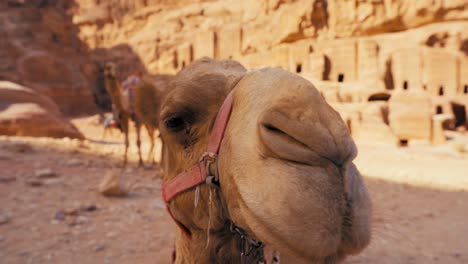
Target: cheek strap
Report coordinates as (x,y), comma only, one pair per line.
(198,173)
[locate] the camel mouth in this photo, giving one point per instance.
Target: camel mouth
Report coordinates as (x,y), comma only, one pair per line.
(290,150)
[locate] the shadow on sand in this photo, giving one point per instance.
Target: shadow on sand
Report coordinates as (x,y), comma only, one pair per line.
(413,224)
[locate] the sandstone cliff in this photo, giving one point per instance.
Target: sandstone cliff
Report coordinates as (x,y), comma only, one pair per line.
(56,46)
(168,36)
(39,48)
(24,112)
(355,51)
(363,49)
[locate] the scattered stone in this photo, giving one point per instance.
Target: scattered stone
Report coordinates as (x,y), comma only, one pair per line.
(75,210)
(81,220)
(113,209)
(59,215)
(56,181)
(71,211)
(112,185)
(34,182)
(159,205)
(99,248)
(430,215)
(89,208)
(4,218)
(90,229)
(7,179)
(45,174)
(111,235)
(74,162)
(456,255)
(2,238)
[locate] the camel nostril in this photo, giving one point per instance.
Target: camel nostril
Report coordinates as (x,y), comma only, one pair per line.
(278,142)
(287,137)
(272,128)
(278,135)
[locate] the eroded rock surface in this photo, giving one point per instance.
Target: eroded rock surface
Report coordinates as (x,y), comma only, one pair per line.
(24,112)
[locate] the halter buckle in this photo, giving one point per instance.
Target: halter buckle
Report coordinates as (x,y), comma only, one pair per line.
(210,158)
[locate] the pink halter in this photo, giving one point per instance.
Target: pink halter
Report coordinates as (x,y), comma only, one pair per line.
(198,173)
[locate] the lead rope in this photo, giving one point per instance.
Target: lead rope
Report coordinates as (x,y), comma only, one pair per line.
(209,220)
(197,197)
(248,247)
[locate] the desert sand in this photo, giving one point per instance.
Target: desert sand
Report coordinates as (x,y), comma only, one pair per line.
(51,210)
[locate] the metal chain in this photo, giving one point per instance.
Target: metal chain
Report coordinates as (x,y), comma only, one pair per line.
(249,247)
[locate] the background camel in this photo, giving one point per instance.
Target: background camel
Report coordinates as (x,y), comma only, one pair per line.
(138,101)
(285,166)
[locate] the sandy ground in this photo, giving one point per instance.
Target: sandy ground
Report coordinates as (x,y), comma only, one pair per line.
(420,197)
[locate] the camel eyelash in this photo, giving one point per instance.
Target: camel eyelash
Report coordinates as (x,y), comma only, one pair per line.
(175,124)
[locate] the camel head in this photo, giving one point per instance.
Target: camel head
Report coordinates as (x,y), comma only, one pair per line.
(286,175)
(110,70)
(112,85)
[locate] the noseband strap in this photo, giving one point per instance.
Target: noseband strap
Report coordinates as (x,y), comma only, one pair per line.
(198,173)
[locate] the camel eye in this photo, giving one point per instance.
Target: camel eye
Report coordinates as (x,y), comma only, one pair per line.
(175,124)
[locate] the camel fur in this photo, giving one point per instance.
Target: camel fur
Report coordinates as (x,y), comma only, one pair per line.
(285,164)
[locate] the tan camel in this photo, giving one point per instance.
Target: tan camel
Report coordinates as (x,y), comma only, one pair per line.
(140,102)
(286,176)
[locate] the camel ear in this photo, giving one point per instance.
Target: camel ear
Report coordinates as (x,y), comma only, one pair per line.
(233,80)
(234,83)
